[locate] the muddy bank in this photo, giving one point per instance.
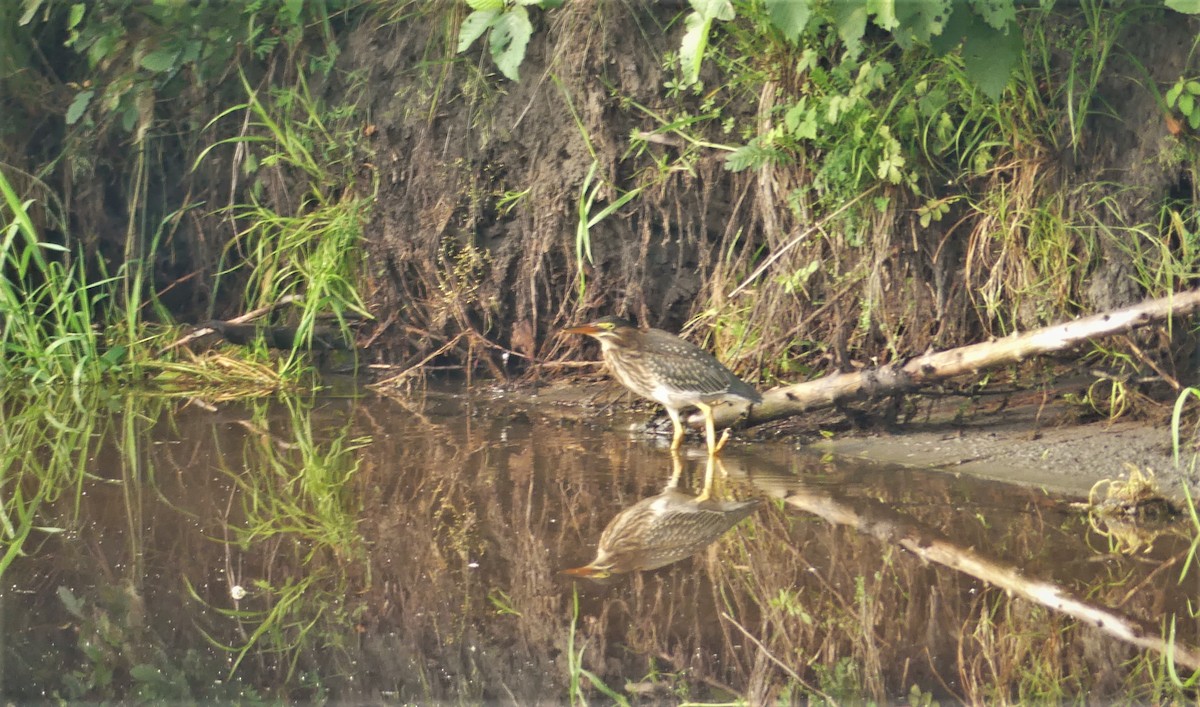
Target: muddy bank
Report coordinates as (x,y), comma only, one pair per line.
(1032,438)
(1024,442)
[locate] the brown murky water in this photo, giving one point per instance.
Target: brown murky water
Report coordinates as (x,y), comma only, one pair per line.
(411,550)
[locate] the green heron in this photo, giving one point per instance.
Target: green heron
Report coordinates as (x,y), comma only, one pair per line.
(668,370)
(665,528)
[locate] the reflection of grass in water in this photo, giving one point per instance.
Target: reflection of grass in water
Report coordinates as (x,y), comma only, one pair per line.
(575,669)
(301,511)
(300,490)
(289,619)
(44,448)
(216,377)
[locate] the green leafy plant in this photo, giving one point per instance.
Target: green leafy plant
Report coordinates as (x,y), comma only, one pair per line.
(1184,97)
(507,24)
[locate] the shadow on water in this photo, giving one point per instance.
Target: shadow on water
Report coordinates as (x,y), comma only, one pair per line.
(372,549)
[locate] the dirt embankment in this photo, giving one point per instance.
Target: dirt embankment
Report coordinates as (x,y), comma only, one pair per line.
(475,244)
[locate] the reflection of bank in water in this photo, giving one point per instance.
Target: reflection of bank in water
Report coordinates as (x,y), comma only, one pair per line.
(665,528)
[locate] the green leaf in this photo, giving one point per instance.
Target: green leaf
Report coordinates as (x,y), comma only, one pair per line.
(70,602)
(850,18)
(713,9)
(294,9)
(510,35)
(1173,94)
(486,5)
(989,57)
(160,60)
(1187,103)
(754,155)
(473,27)
(1194,120)
(31,8)
(1193,87)
(146,674)
(691,47)
(78,106)
(789,17)
(76,16)
(922,20)
(884,13)
(997,13)
(1187,7)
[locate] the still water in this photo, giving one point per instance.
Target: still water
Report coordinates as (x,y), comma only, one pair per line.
(361,548)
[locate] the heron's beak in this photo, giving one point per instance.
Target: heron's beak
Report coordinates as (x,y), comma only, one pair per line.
(589,571)
(589,329)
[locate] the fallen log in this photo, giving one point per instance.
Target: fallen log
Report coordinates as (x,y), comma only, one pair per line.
(911,374)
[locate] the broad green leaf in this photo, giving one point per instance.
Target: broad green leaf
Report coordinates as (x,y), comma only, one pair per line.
(713,9)
(1187,7)
(789,17)
(486,5)
(919,21)
(78,106)
(160,60)
(997,13)
(850,18)
(691,47)
(989,56)
(1194,120)
(1187,103)
(884,12)
(510,35)
(473,27)
(1193,87)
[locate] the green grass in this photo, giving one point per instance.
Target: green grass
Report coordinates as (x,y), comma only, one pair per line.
(45,442)
(46,336)
(299,237)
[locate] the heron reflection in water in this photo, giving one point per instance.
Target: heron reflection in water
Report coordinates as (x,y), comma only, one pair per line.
(670,526)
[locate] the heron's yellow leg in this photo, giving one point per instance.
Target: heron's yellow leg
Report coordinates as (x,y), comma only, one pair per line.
(708,480)
(710,428)
(711,481)
(676,469)
(677,440)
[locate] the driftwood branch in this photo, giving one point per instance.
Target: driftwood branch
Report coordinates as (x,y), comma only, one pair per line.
(912,374)
(875,519)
